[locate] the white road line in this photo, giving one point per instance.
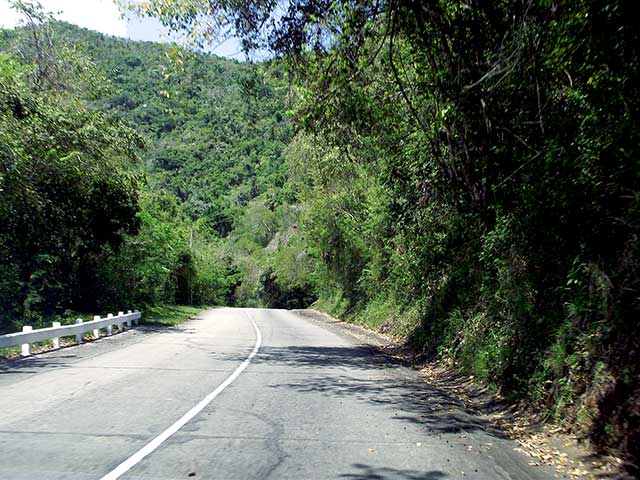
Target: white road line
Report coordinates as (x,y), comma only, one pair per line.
(134,459)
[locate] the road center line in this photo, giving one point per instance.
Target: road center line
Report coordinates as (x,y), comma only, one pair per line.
(134,459)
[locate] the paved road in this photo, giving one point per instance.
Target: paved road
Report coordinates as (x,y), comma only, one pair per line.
(311,403)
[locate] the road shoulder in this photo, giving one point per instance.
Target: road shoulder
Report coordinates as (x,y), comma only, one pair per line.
(542,443)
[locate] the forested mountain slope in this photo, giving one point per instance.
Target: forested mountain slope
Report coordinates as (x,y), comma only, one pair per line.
(212,132)
(215,128)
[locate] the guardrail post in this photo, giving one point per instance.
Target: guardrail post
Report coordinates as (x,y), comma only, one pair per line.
(79,338)
(120,324)
(96,331)
(56,340)
(121,314)
(26,348)
(109,327)
(137,319)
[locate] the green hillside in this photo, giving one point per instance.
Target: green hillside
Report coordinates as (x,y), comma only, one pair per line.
(213,133)
(215,129)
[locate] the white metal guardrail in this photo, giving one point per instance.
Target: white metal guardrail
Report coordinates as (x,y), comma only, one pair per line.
(29,335)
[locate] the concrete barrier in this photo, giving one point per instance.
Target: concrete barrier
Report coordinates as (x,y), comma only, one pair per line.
(29,335)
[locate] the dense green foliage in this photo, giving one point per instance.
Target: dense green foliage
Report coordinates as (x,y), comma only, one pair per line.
(464,175)
(68,197)
(149,156)
(216,130)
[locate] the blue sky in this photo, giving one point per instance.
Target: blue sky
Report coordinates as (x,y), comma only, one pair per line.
(104,16)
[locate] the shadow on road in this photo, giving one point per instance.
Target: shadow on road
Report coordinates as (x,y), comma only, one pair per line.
(33,364)
(363,373)
(367,472)
(356,357)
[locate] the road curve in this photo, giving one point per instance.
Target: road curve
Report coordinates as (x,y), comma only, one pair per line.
(211,400)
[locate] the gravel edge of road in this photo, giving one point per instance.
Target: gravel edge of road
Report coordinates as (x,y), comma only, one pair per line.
(543,444)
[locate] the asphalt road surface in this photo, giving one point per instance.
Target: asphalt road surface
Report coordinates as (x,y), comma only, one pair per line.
(239,394)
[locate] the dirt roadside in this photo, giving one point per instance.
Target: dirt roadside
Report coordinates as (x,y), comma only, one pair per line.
(543,443)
